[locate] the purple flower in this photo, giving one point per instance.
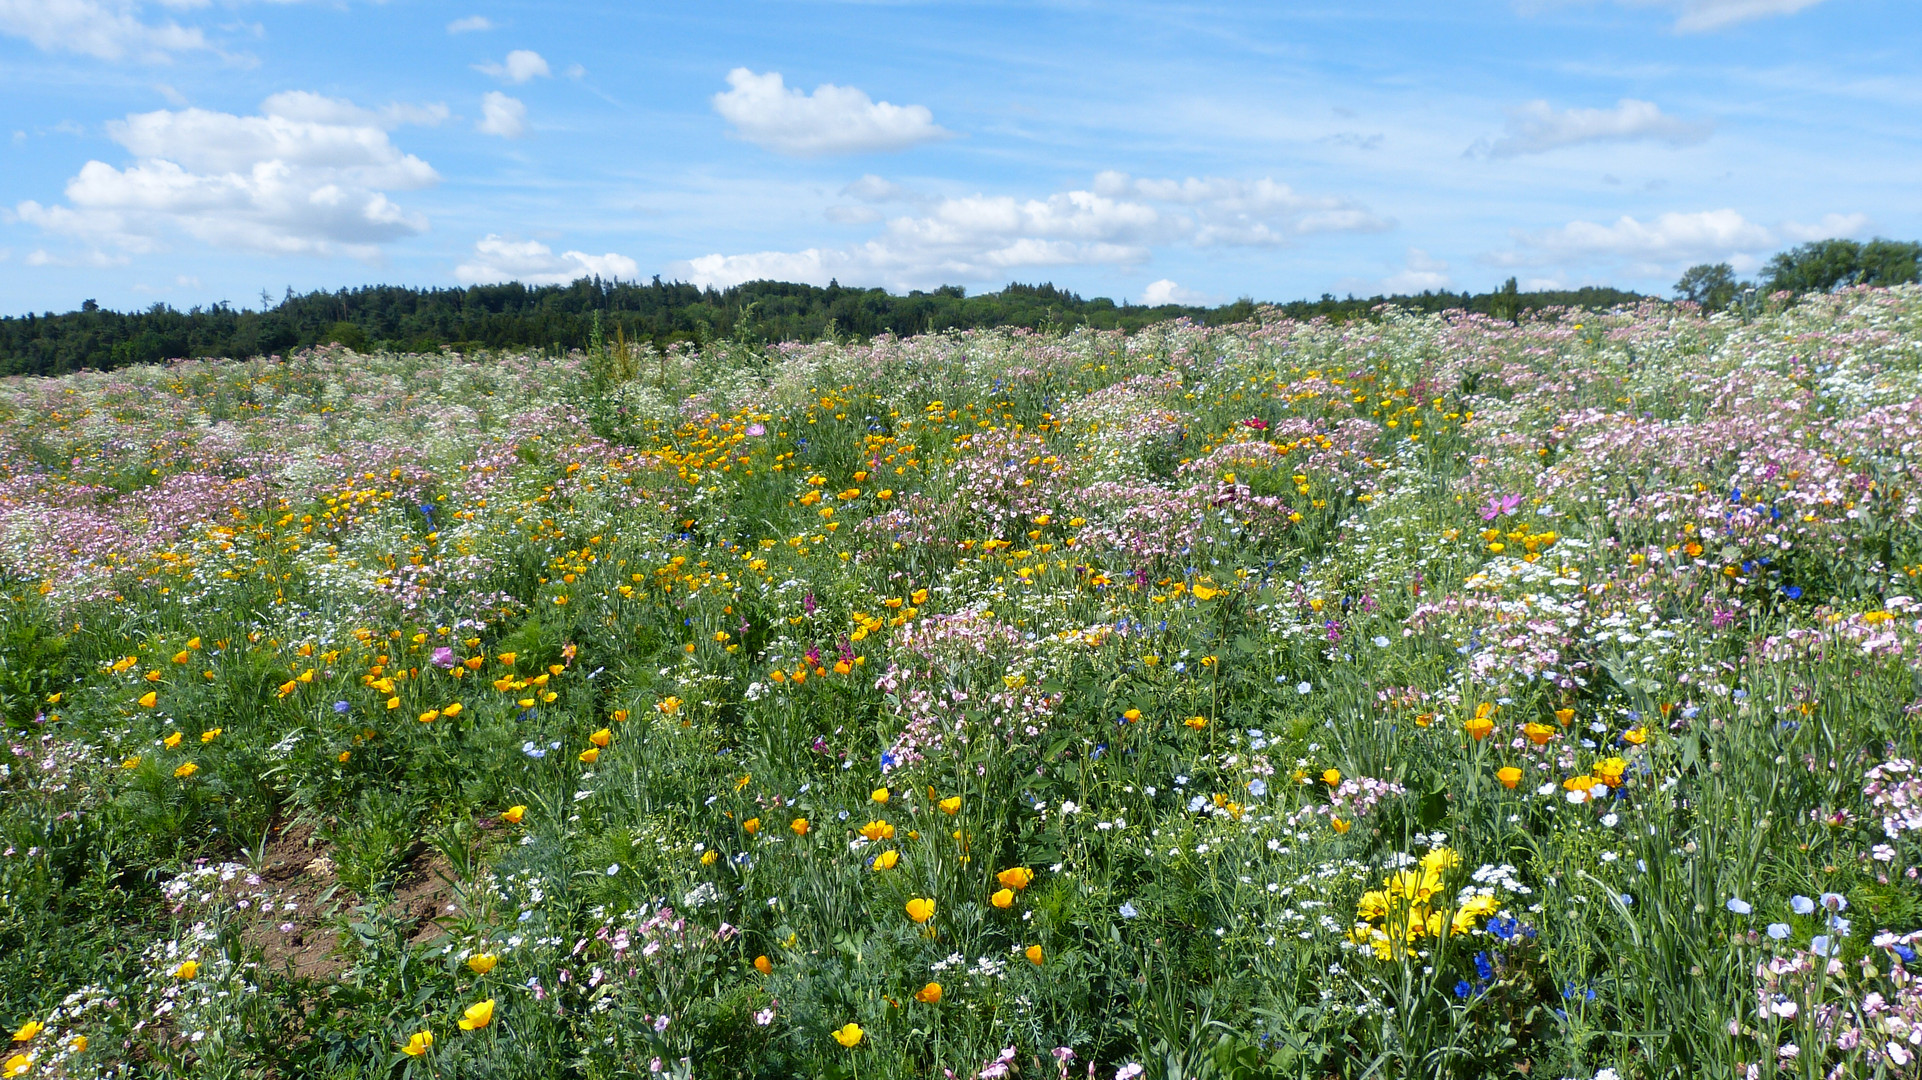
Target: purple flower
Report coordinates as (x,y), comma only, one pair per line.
(443,658)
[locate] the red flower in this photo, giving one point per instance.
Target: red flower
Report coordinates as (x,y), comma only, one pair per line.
(1255,422)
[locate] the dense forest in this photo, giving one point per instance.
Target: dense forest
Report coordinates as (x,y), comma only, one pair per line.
(562,317)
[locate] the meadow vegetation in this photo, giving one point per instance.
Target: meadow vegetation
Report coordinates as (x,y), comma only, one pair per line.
(1426,696)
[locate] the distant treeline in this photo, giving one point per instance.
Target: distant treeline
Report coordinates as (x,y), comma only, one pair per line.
(1821,266)
(562,317)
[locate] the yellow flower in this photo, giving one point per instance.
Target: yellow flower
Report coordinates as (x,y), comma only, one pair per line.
(1015,877)
(877,830)
(1609,771)
(429,716)
(418,1043)
(799,826)
(182,656)
(28,1030)
(887,859)
(763,965)
(709,858)
(951,804)
(478,1015)
(849,1036)
(210,735)
(1340,825)
(1131,715)
(344,755)
(1196,722)
(1033,953)
(1564,716)
(752,825)
(513,814)
(187,768)
(147,699)
(1331,777)
(591,755)
(482,963)
(1003,898)
(1478,726)
(171,741)
(187,969)
(131,763)
(1509,775)
(17,1065)
(879,795)
(1635,736)
(601,738)
(920,909)
(1538,733)
(507,658)
(79,1044)
(929,994)
(393,703)
(1203,592)
(1440,859)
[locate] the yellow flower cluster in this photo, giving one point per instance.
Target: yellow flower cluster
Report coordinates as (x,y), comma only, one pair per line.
(1412,904)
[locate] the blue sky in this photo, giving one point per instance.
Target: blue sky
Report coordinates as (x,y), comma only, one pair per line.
(193,151)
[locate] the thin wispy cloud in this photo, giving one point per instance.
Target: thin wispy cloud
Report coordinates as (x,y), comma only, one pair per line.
(472,24)
(830,120)
(104,31)
(1538,127)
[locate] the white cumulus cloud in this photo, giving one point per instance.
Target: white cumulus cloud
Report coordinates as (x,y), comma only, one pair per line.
(1668,237)
(471,24)
(1165,291)
(984,238)
(831,120)
(520,66)
(535,263)
(1421,273)
(1828,227)
(502,115)
(1537,127)
(104,29)
(305,175)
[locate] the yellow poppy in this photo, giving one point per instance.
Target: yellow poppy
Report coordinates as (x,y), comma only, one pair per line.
(591,755)
(147,699)
(879,795)
(1033,953)
(601,738)
(1003,898)
(1331,777)
(513,814)
(186,769)
(920,909)
(418,1043)
(187,969)
(799,826)
(886,860)
(752,825)
(1015,878)
(171,741)
(28,1030)
(929,994)
(478,1015)
(763,965)
(849,1036)
(951,804)
(1509,775)
(482,963)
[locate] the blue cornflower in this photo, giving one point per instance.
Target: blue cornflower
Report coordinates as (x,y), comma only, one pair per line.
(1483,967)
(1462,989)
(342,707)
(1793,592)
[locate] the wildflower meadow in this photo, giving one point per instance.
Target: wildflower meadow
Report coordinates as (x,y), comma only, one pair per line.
(1420,696)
